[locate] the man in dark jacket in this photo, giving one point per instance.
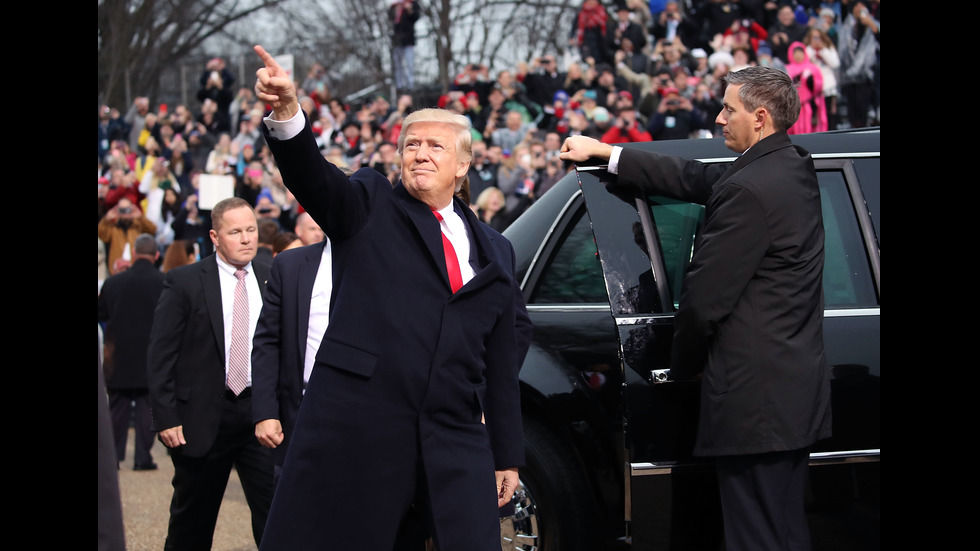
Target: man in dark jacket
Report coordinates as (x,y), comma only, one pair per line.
(751,312)
(126,305)
(784,32)
(199,374)
(414,401)
(403,15)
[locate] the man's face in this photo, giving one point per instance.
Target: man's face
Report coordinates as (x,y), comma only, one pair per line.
(308,230)
(496,98)
(387,152)
(786,15)
(265,208)
(479,150)
(236,237)
(494,154)
(552,141)
(738,123)
(514,120)
(537,153)
(119,177)
(126,211)
(430,163)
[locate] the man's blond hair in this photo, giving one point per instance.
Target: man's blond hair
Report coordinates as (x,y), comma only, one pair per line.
(459,124)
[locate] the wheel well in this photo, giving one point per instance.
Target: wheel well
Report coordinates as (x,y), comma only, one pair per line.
(590,451)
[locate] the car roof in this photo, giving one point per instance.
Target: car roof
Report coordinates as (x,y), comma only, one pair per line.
(839,142)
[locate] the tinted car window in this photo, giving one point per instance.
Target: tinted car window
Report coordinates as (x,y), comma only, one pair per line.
(574,274)
(847,276)
(677,224)
(847,281)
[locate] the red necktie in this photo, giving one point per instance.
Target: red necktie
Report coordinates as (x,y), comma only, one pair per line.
(452,263)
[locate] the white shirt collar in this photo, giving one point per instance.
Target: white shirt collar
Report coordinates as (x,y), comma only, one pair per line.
(228,268)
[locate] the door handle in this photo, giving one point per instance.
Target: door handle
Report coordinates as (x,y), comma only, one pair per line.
(659,376)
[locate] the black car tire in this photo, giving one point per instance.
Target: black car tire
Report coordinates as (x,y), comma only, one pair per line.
(561,495)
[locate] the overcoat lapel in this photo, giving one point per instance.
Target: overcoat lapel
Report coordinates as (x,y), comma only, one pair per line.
(426,226)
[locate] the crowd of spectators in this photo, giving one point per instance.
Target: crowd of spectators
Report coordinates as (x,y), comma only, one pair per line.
(634,70)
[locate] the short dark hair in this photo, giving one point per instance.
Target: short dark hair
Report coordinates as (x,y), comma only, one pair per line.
(268,228)
(145,245)
(770,88)
(282,240)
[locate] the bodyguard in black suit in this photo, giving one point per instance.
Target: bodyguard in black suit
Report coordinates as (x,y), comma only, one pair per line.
(751,311)
(201,414)
(299,290)
(410,364)
(126,304)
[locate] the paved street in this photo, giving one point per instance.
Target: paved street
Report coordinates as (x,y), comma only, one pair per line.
(146,502)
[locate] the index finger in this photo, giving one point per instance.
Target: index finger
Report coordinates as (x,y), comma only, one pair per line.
(270,62)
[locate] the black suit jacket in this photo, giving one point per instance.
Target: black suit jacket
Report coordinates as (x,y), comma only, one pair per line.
(407,368)
(751,309)
(186,357)
(279,344)
(126,305)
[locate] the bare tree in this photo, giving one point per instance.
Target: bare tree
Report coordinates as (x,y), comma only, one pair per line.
(138,39)
(353,37)
(504,33)
(350,38)
(495,33)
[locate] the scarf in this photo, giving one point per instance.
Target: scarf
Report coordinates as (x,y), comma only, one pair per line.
(591,17)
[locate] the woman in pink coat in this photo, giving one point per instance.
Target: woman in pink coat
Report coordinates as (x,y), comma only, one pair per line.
(810,88)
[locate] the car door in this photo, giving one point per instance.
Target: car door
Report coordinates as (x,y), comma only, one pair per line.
(644,245)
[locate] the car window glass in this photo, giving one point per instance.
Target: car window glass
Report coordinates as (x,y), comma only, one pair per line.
(847,281)
(573,275)
(677,225)
(847,274)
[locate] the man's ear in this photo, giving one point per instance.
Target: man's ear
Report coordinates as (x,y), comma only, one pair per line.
(761,114)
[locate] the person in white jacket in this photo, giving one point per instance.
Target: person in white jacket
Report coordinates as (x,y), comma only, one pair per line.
(822,53)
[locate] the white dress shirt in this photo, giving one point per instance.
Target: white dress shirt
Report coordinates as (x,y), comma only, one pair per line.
(454,228)
(284,130)
(319,312)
